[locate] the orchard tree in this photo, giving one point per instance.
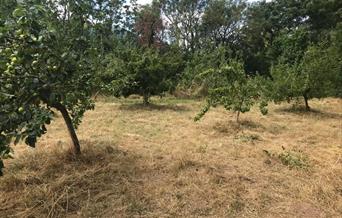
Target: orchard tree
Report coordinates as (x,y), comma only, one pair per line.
(307,70)
(44,67)
(317,75)
(230,87)
(288,81)
(141,71)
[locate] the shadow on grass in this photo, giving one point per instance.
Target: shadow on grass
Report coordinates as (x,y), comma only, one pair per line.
(233,127)
(55,183)
(153,107)
(249,124)
(312,112)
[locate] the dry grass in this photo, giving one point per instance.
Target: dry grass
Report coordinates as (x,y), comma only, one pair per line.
(157,162)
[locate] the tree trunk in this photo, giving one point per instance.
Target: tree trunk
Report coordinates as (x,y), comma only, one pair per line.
(71,129)
(146,99)
(96,94)
(237,117)
(307,107)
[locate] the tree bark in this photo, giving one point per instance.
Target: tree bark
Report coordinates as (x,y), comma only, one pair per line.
(238,117)
(307,107)
(71,129)
(146,99)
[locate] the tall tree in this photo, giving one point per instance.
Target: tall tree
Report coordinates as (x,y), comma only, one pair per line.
(263,23)
(149,26)
(184,18)
(322,14)
(222,20)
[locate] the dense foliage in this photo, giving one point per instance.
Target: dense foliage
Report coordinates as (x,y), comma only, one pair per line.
(143,71)
(46,66)
(231,87)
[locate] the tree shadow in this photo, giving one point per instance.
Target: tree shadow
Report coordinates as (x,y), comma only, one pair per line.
(153,107)
(233,127)
(249,124)
(55,182)
(312,112)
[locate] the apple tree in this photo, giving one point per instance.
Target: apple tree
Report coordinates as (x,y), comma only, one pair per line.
(45,50)
(230,87)
(142,71)
(316,73)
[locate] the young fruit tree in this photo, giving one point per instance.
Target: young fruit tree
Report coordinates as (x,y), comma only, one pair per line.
(44,68)
(230,87)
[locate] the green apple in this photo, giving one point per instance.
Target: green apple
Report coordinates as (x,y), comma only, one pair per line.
(18,32)
(34,63)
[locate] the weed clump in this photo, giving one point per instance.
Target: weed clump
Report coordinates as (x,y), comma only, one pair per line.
(294,159)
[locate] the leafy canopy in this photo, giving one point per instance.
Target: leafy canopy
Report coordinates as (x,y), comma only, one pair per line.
(141,71)
(45,63)
(230,87)
(304,70)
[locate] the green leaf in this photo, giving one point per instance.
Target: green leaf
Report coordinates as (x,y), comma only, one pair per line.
(31,141)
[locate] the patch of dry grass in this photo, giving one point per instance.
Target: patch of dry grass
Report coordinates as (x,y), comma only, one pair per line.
(157,162)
